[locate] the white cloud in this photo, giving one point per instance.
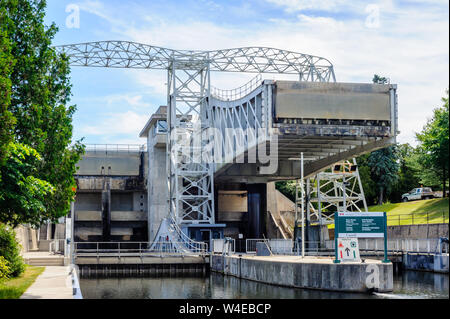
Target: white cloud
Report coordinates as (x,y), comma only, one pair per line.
(323,5)
(127,123)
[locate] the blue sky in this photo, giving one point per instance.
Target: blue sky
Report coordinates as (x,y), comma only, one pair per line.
(406,41)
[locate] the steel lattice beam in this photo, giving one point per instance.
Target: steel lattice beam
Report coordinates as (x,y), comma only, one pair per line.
(125,54)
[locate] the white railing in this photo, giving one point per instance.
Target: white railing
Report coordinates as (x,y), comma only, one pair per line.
(237,93)
(142,249)
(116,148)
(281,246)
(420,245)
(223,246)
(250,245)
(57,246)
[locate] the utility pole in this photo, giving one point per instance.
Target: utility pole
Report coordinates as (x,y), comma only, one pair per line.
(302,207)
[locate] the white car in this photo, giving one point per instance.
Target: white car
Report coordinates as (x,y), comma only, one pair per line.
(418,193)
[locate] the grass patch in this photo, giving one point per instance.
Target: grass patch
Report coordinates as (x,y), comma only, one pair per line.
(14,288)
(417,212)
(430,211)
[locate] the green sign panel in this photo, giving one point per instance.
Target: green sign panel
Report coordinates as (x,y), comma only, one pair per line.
(360,225)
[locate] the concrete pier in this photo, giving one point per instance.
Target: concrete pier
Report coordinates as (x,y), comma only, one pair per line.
(309,272)
(426,262)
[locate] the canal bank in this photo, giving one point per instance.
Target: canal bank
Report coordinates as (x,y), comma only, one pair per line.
(308,272)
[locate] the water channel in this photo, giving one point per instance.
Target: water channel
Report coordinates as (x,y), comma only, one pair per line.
(407,284)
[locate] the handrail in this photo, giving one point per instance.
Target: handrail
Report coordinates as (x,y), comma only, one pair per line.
(140,248)
(116,148)
(237,93)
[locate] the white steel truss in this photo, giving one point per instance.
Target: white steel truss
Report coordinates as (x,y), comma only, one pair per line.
(125,54)
(338,188)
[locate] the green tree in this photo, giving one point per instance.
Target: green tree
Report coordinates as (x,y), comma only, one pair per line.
(10,252)
(22,195)
(379,79)
(369,186)
(408,172)
(384,170)
(434,144)
(40,95)
(7,120)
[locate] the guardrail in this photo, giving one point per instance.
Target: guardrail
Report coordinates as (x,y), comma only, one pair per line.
(420,245)
(57,246)
(141,249)
(418,219)
(237,93)
(366,246)
(116,148)
(223,246)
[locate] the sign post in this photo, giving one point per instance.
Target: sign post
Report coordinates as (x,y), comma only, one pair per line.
(360,225)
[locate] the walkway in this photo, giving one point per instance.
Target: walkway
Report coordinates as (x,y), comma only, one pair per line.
(54,283)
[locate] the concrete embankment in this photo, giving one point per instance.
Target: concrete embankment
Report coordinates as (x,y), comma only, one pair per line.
(426,262)
(309,272)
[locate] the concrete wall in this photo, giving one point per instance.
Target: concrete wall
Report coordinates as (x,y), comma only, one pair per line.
(418,231)
(326,276)
(426,262)
(158,198)
(110,163)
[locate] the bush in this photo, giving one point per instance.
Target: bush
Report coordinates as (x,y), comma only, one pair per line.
(4,269)
(10,251)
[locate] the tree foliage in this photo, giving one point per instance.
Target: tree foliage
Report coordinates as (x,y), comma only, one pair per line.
(384,170)
(10,251)
(22,195)
(433,150)
(7,120)
(40,95)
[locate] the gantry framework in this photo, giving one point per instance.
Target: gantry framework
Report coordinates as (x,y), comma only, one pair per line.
(338,188)
(191,182)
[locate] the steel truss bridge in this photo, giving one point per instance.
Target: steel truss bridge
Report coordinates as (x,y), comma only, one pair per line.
(266,109)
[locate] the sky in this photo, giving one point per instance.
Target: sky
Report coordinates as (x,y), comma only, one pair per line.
(405,41)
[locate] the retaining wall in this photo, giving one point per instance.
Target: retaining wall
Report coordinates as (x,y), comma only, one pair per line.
(354,277)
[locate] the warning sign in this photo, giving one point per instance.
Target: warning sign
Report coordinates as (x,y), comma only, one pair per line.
(348,249)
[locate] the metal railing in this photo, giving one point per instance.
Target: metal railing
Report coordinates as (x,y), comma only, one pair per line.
(405,245)
(141,249)
(223,246)
(116,148)
(250,245)
(418,219)
(57,246)
(366,246)
(237,93)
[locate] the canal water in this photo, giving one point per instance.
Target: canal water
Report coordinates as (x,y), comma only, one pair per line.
(408,284)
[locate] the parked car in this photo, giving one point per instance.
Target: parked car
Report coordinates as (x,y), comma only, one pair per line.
(418,193)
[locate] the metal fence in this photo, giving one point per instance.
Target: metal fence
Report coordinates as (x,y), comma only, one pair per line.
(421,245)
(116,148)
(223,246)
(142,249)
(57,246)
(366,246)
(418,219)
(237,93)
